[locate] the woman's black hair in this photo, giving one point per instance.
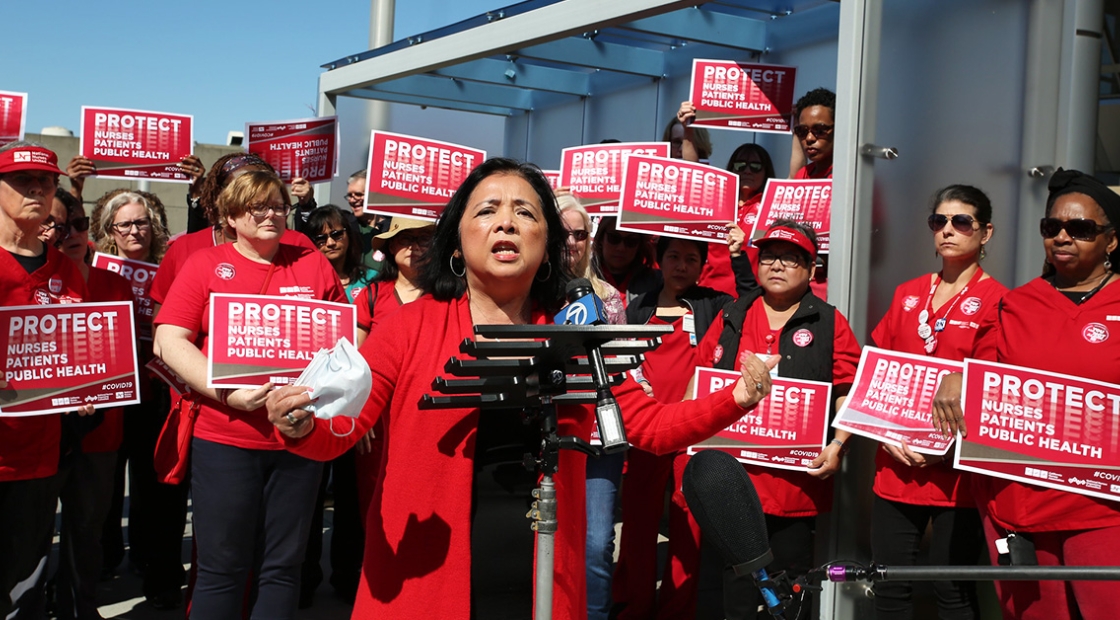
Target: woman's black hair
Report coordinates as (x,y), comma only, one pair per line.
(663,247)
(72,204)
(330,216)
(967,194)
(817,96)
(763,155)
(645,257)
(437,277)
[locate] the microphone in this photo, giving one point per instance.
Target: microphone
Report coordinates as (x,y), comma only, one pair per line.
(722,499)
(585,308)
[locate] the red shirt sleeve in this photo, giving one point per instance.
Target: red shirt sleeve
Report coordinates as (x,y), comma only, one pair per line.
(845,353)
(987,336)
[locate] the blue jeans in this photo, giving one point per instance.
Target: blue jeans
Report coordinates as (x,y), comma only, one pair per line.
(603,477)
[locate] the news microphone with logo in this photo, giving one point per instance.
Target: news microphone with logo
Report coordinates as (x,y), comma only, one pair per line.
(585,308)
(722,499)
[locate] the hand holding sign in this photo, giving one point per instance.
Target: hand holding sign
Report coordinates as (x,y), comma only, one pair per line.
(948,418)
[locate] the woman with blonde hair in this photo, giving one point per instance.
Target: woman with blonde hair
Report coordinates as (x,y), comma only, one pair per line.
(131,225)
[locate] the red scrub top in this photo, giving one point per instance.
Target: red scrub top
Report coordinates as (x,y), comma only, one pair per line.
(29,445)
(938,485)
(1041,328)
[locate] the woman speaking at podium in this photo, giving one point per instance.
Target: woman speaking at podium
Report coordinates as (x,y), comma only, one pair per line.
(497,257)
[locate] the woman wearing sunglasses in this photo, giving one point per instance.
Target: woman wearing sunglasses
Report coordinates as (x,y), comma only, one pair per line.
(252,499)
(89,449)
(625,260)
(1060,322)
(341,243)
(938,315)
(814,342)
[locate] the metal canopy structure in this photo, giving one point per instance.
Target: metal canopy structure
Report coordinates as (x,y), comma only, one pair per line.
(541,53)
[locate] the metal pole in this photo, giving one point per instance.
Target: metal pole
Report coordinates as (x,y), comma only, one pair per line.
(543,514)
(997,573)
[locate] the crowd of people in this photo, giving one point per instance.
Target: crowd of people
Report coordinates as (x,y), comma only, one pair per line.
(502,252)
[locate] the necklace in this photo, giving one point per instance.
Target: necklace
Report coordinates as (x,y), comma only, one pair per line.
(1086,296)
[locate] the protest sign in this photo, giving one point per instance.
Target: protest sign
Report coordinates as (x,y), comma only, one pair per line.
(593,173)
(13,116)
(553,177)
(1042,428)
(415,177)
(305,148)
(140,275)
(677,198)
(786,430)
(136,144)
(892,400)
(808,201)
(62,356)
(162,371)
(256,339)
(744,96)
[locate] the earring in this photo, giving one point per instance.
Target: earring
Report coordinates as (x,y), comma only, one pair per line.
(545,279)
(1107,265)
(983,253)
(457,274)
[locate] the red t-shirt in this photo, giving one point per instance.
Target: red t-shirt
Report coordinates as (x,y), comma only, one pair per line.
(384,301)
(1041,328)
(786,493)
(29,445)
(105,285)
(185,246)
(939,485)
(188,306)
(668,368)
(814,171)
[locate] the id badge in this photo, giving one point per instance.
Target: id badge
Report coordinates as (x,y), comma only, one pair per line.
(688,324)
(774,370)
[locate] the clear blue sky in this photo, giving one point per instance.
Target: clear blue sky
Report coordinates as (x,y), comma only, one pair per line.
(224,62)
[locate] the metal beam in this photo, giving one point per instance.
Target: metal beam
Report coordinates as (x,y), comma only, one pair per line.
(427,102)
(700,26)
(435,87)
(571,17)
(586,52)
(523,75)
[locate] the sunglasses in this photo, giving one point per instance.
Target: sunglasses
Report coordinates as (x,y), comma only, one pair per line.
(320,239)
(1079,229)
(819,130)
(579,235)
(419,241)
(356,196)
(614,238)
(962,223)
(739,166)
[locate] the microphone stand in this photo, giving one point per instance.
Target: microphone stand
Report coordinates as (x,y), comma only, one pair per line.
(542,367)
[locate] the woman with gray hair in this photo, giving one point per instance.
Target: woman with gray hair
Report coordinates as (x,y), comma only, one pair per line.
(132,226)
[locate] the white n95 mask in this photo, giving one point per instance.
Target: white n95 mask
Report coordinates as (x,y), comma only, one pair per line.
(340,382)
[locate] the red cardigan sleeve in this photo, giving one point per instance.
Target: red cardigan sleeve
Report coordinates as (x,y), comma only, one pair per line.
(663,429)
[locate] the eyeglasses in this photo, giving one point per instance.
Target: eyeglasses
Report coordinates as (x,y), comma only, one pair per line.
(578,235)
(1080,229)
(321,239)
(962,223)
(78,224)
(819,130)
(739,166)
(787,260)
(261,211)
(355,196)
(419,241)
(123,228)
(614,238)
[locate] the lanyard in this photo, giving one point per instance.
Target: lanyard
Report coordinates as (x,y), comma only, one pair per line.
(925,332)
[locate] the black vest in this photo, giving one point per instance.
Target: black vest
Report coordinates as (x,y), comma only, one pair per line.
(812,362)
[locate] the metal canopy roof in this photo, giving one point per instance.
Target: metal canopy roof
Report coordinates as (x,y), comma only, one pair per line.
(541,53)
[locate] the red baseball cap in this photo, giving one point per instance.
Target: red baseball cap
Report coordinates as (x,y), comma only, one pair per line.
(29,158)
(789,235)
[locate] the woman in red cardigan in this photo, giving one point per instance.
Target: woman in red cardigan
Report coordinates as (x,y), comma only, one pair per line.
(497,258)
